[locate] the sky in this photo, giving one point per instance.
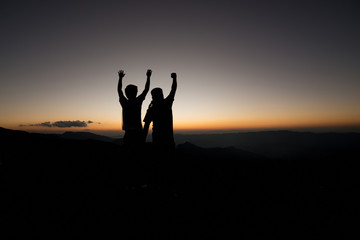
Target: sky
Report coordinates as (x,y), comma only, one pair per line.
(240,64)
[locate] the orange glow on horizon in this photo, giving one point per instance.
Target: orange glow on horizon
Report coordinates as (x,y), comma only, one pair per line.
(199,125)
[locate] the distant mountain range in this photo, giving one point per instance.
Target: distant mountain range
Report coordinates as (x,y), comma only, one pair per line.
(273,144)
(278,144)
(66,135)
(86,136)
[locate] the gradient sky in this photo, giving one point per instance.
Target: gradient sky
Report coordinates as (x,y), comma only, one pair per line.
(240,64)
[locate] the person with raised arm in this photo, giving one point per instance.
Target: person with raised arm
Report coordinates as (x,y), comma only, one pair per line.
(160,113)
(131,111)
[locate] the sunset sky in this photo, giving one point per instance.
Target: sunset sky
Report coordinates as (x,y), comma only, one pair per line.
(240,64)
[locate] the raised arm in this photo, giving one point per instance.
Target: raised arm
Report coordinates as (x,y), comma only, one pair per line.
(121,76)
(173,86)
(147,84)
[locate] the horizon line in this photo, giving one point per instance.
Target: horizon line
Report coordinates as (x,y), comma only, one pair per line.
(119,132)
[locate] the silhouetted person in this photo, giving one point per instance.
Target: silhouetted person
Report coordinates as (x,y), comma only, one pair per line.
(160,113)
(131,111)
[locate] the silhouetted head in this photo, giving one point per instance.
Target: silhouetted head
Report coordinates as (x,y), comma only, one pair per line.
(131,91)
(157,94)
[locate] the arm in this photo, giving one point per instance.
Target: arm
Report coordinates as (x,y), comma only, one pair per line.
(121,76)
(147,84)
(173,86)
(147,120)
(146,130)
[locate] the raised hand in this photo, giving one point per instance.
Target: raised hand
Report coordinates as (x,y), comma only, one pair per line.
(148,73)
(121,73)
(173,75)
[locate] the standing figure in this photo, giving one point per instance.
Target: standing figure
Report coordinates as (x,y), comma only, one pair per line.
(131,111)
(160,113)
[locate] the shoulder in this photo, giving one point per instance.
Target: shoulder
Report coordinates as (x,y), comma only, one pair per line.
(169,99)
(123,100)
(141,98)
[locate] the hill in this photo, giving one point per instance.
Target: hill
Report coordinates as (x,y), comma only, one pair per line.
(279,144)
(86,136)
(56,186)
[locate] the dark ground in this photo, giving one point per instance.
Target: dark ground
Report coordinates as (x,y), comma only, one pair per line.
(62,188)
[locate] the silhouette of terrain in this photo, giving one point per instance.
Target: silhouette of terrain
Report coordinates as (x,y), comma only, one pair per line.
(279,144)
(85,136)
(53,185)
